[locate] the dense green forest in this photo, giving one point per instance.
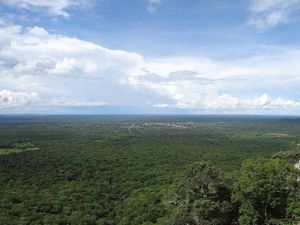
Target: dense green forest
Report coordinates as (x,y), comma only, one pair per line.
(149,170)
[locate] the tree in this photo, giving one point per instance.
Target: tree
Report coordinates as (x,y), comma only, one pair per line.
(291,156)
(203,198)
(264,189)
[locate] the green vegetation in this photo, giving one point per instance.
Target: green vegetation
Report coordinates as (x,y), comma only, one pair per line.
(267,191)
(149,170)
(18,147)
(202,198)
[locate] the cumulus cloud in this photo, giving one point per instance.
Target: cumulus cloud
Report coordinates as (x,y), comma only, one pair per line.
(229,103)
(269,13)
(33,51)
(55,7)
(264,101)
(55,65)
(69,72)
(10,99)
(200,83)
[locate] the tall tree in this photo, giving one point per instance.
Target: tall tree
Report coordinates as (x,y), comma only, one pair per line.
(264,189)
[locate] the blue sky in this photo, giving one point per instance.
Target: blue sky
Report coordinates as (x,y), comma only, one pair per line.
(150,56)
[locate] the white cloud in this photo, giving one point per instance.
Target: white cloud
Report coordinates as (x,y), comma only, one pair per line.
(34,51)
(67,102)
(269,13)
(10,99)
(55,7)
(153,4)
(69,72)
(231,104)
(265,102)
(161,105)
(52,65)
(195,83)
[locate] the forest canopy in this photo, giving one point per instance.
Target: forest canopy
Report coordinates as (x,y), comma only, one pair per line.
(149,171)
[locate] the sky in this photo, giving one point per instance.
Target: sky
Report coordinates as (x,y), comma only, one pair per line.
(150,57)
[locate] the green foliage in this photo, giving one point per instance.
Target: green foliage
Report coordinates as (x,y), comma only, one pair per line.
(203,197)
(92,170)
(248,214)
(264,190)
(17,148)
(291,156)
(141,207)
